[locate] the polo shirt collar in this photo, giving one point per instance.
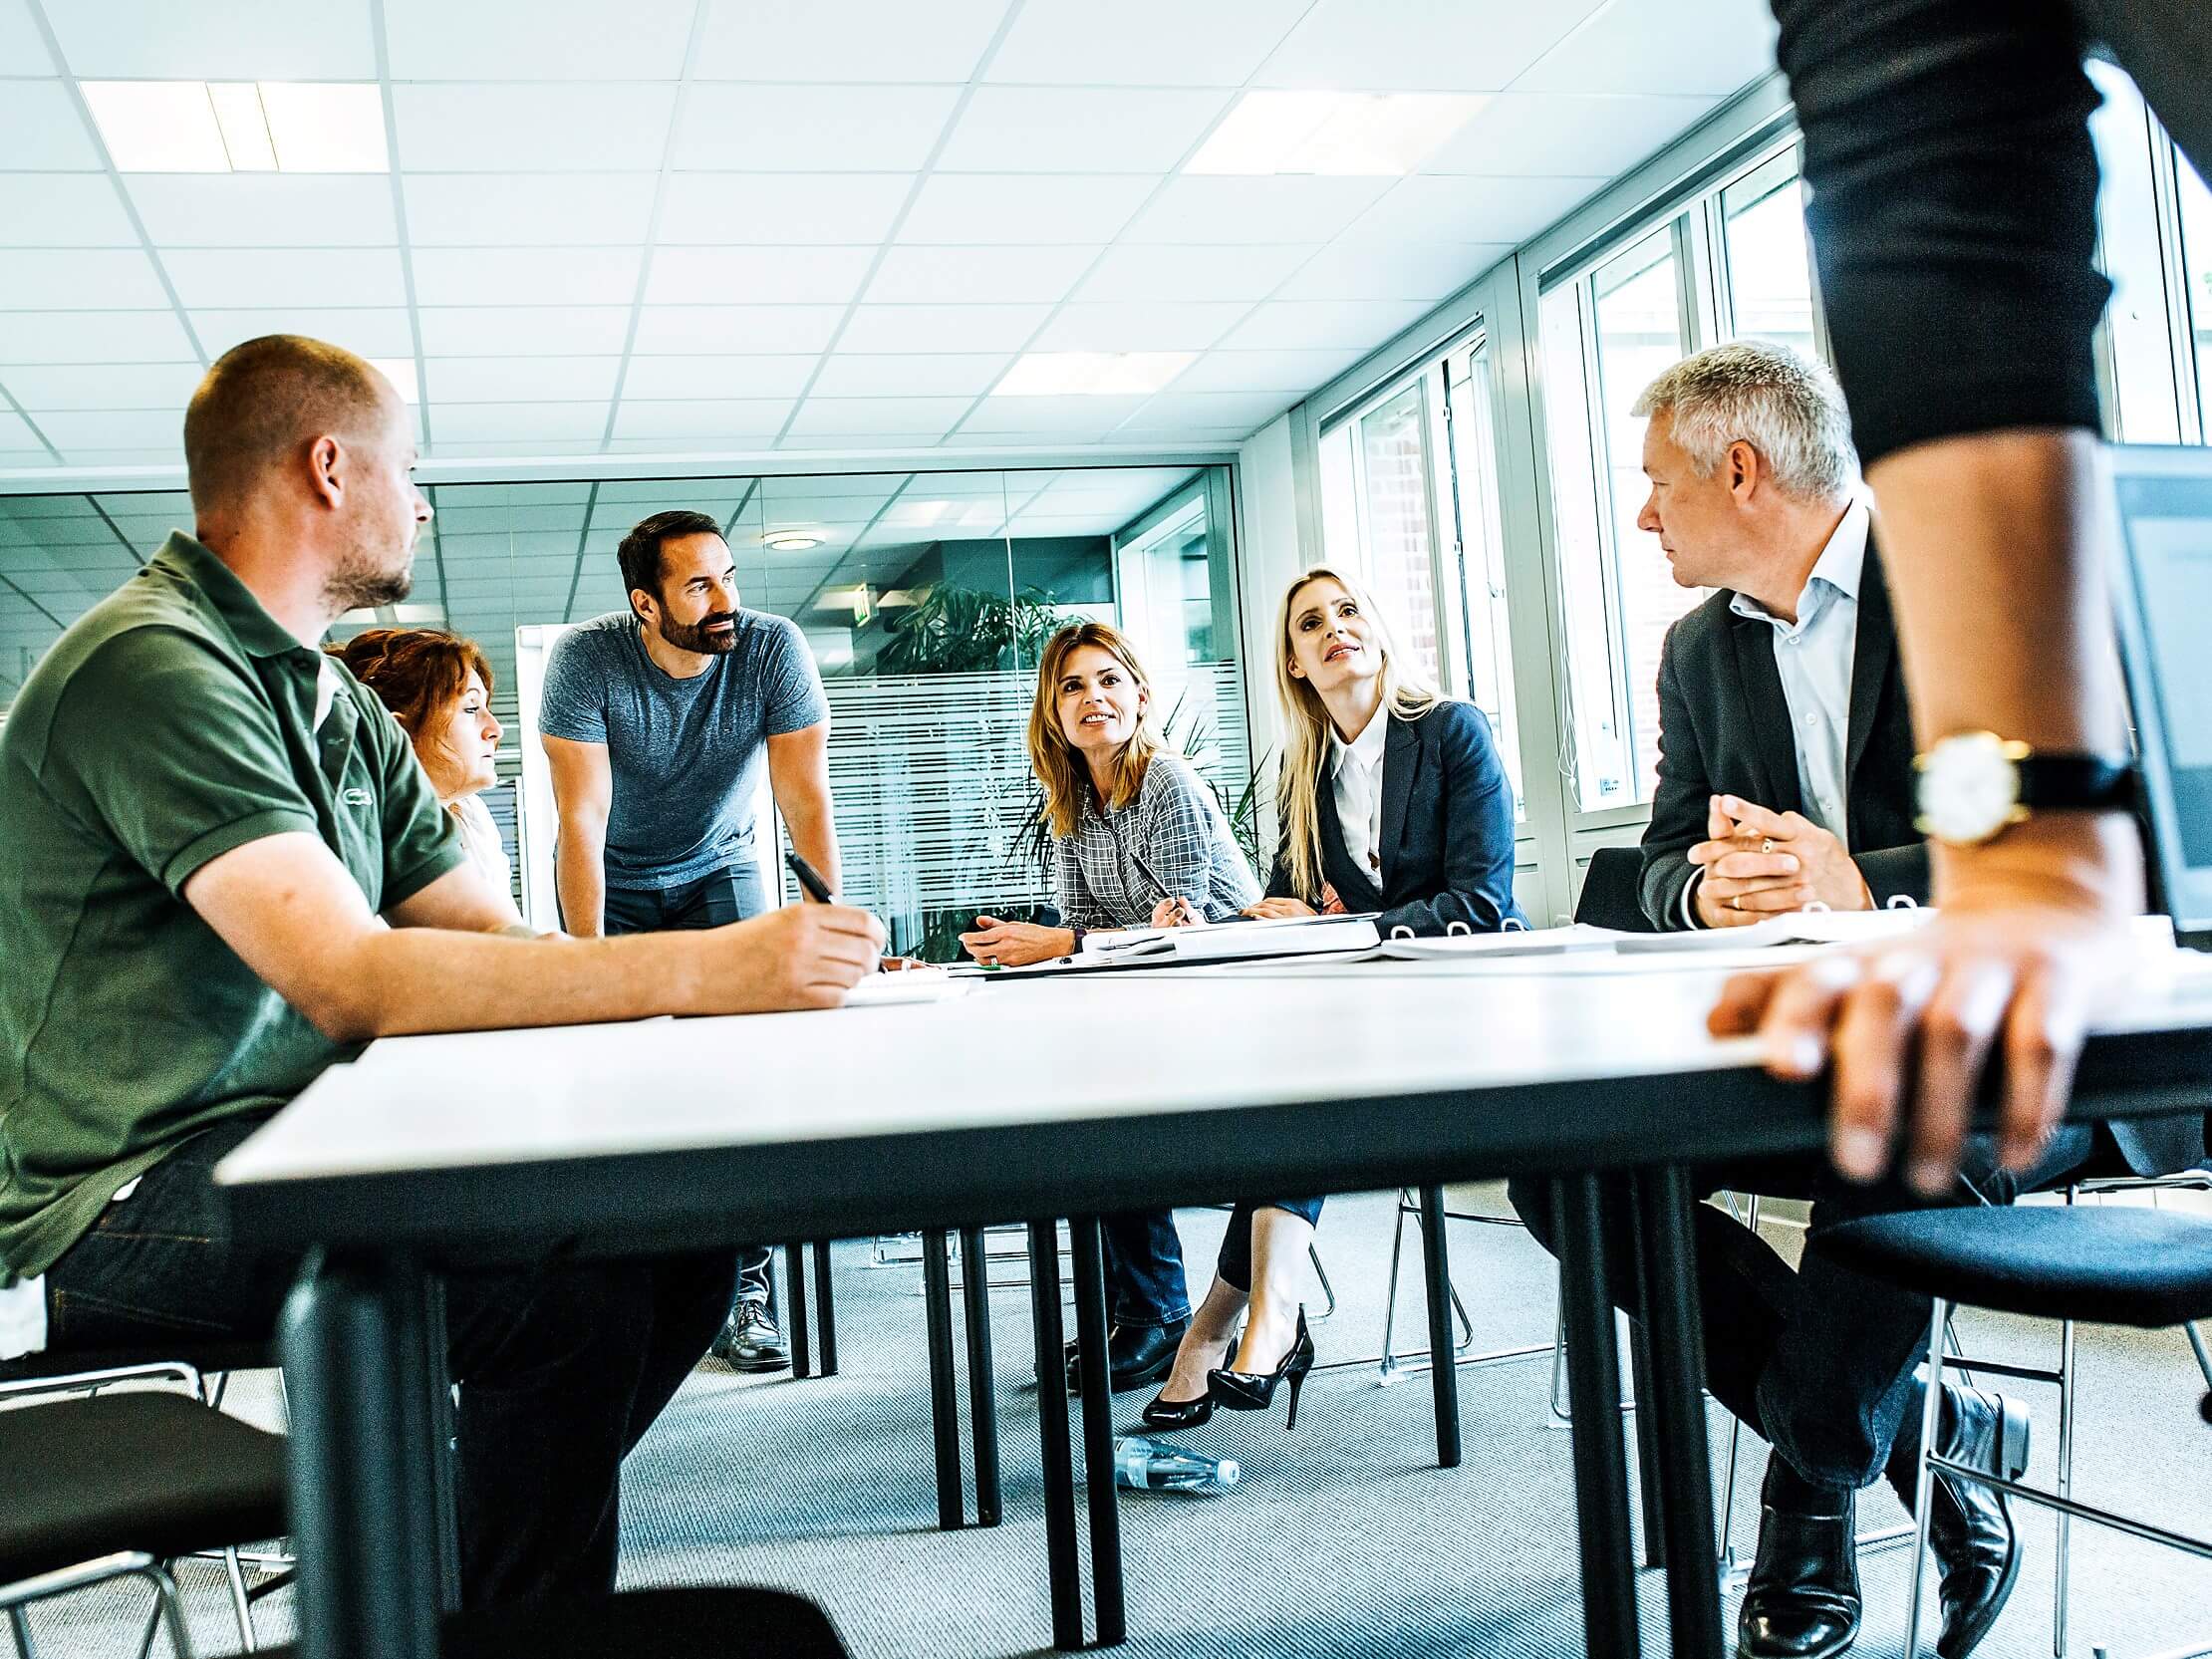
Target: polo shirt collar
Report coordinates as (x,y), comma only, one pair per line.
(258,634)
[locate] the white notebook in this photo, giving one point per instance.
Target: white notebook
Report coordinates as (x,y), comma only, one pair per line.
(1287,935)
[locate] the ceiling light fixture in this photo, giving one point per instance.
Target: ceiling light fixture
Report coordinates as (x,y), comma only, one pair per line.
(239,126)
(790,541)
(1091,373)
(1333,134)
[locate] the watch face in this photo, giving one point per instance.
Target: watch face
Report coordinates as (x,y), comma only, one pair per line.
(1968,788)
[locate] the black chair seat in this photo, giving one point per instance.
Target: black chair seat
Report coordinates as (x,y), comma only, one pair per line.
(1612,890)
(2107,1265)
(643,1624)
(151,1471)
(208,1357)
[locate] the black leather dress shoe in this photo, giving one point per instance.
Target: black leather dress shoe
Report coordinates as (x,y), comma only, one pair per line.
(1137,1356)
(1803,1599)
(1970,1527)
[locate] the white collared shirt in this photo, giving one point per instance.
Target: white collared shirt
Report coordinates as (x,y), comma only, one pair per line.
(1356,770)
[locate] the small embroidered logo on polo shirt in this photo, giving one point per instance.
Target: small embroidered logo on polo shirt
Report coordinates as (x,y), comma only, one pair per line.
(356,797)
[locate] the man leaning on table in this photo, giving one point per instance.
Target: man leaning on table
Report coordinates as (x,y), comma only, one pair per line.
(222,870)
(1785,777)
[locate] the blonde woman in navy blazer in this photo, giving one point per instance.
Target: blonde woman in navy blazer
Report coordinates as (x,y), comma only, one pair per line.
(1392,801)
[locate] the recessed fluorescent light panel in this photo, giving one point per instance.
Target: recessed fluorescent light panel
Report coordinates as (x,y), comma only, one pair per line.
(1091,373)
(239,126)
(1343,135)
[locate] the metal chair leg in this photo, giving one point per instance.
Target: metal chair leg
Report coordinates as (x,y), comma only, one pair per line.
(1328,1291)
(2066,1488)
(2196,1346)
(241,1602)
(21,1628)
(1923,1484)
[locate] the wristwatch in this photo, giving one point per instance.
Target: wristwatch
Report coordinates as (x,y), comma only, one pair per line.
(1975,784)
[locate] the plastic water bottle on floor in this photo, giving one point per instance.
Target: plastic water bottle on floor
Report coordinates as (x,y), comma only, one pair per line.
(1162,1466)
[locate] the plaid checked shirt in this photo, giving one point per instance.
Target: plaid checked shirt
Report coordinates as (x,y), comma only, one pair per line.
(1171,842)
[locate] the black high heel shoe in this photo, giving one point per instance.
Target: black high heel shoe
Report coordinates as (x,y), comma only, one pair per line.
(1256,1390)
(1163,1412)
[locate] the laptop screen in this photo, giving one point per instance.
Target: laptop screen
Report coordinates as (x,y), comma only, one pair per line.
(2163,591)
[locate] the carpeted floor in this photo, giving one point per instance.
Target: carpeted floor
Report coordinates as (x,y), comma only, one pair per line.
(1343,1540)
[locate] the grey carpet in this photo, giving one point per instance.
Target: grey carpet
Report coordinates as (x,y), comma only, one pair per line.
(1343,1539)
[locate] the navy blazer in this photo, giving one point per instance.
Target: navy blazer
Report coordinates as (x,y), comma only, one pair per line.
(1447,834)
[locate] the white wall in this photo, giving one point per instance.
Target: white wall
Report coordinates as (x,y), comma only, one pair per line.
(1272,548)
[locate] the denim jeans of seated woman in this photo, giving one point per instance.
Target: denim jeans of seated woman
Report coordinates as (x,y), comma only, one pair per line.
(561,1371)
(1145,1283)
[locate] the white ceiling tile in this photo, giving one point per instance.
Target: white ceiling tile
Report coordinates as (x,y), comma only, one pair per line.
(509,448)
(136,429)
(162,386)
(701,417)
(855,40)
(240,40)
(482,126)
(92,336)
(773,330)
(1009,275)
(755,276)
(1466,208)
(62,210)
(1143,42)
(525,276)
(78,279)
(371,331)
(264,209)
(711,209)
(506,380)
(1214,410)
(1136,435)
(16,440)
(536,40)
(1078,129)
(571,209)
(858,443)
(1594,134)
(1318,324)
(1245,271)
(1280,371)
(930,415)
(515,331)
(41,128)
(760,376)
(1052,415)
(1140,326)
(1299,209)
(172,454)
(210,277)
(940,329)
(1661,46)
(830,129)
(496,422)
(22,51)
(921,375)
(974,209)
(1419,45)
(1354,268)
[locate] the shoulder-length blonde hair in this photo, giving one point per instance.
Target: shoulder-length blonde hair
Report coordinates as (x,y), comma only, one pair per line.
(1062,771)
(1305,749)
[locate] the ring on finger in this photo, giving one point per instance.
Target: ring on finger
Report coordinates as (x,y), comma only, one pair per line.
(1767,845)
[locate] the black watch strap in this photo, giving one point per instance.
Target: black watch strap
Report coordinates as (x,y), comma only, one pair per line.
(2076,783)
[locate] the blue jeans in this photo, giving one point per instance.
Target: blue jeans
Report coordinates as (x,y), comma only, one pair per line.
(1234,1262)
(1143,1258)
(561,1371)
(713,899)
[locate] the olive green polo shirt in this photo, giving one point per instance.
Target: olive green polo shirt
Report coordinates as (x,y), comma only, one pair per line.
(174,721)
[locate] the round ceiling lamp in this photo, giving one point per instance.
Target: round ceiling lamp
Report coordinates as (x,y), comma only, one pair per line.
(790,541)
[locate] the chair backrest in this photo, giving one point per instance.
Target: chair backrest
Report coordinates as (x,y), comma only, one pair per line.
(1611,890)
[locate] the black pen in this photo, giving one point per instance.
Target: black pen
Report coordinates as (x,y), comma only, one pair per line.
(810,879)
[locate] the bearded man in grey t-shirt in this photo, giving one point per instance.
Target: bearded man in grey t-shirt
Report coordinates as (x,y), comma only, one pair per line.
(658,721)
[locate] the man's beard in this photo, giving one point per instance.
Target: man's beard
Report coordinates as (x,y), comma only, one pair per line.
(696,638)
(358,582)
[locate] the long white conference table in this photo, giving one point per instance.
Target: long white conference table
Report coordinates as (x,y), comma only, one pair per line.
(1030,1102)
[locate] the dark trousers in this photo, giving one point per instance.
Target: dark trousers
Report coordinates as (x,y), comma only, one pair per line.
(561,1371)
(1143,1258)
(1954,195)
(711,901)
(1234,1262)
(1819,1361)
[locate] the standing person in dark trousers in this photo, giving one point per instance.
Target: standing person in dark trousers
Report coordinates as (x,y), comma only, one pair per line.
(658,721)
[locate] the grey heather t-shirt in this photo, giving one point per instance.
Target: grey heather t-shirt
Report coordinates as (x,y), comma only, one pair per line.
(685,755)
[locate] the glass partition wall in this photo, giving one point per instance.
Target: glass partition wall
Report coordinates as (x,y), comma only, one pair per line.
(925,596)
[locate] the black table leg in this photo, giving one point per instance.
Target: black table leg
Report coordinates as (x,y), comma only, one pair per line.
(1594,1386)
(825,1309)
(794,1315)
(1060,1466)
(1107,1605)
(1444,1373)
(1650,1481)
(944,1431)
(361,1460)
(439,1379)
(983,1396)
(1665,1219)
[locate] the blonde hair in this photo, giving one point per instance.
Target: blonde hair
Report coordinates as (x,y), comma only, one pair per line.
(1064,773)
(1305,750)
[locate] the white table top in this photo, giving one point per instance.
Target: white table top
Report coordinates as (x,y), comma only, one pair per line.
(1125,1046)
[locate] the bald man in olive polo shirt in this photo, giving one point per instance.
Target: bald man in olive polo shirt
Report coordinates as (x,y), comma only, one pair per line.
(221,871)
